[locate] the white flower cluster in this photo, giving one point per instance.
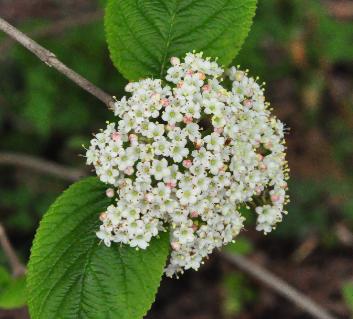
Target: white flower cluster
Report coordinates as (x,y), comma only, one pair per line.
(186,154)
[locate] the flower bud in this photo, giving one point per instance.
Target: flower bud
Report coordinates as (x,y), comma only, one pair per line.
(187,163)
(165,102)
(129,87)
(171,184)
(201,75)
(248,103)
(129,170)
(110,192)
(206,88)
(187,119)
(194,214)
(116,136)
(149,197)
(103,216)
(180,84)
(275,198)
(174,61)
(175,245)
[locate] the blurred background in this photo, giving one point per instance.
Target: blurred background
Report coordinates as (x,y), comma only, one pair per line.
(303,49)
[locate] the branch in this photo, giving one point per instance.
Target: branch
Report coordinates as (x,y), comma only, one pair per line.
(18,269)
(278,285)
(55,28)
(51,60)
(39,165)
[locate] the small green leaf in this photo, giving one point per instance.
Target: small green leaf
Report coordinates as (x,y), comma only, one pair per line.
(143,35)
(12,290)
(72,275)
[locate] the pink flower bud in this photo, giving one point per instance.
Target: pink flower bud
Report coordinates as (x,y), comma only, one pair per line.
(165,102)
(218,130)
(262,167)
(116,136)
(258,190)
(275,198)
(103,216)
(180,84)
(189,72)
(194,214)
(187,119)
(109,192)
(175,245)
(171,184)
(194,227)
(129,170)
(149,197)
(248,103)
(187,163)
(260,157)
(206,88)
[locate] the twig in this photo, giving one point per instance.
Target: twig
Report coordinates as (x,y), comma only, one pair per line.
(51,60)
(55,28)
(39,165)
(278,285)
(18,269)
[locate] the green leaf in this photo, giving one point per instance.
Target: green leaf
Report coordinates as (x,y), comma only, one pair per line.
(143,35)
(12,290)
(72,275)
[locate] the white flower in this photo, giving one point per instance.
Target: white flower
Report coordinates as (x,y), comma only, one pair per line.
(214,141)
(184,235)
(186,156)
(161,146)
(178,152)
(160,169)
(172,115)
(140,240)
(186,196)
(104,235)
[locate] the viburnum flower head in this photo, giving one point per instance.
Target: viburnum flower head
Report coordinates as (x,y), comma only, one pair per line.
(187,153)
